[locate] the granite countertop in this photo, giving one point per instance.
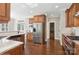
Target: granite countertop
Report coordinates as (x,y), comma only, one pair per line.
(74,38)
(76,41)
(6,45)
(10,33)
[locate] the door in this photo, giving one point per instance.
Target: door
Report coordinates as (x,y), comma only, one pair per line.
(52,31)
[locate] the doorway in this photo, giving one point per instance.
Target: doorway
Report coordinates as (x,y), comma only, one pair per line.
(52,31)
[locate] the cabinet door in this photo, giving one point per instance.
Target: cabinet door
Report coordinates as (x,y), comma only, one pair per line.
(41,19)
(2,9)
(36,18)
(30,20)
(30,36)
(18,50)
(67,17)
(76,49)
(76,6)
(4,12)
(70,19)
(76,21)
(71,16)
(76,18)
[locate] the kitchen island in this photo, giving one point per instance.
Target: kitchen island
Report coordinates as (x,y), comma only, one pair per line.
(10,46)
(70,44)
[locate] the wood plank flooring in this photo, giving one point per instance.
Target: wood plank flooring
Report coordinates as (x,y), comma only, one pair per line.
(52,47)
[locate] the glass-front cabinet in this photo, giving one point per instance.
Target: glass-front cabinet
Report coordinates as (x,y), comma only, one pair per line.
(3,27)
(20,26)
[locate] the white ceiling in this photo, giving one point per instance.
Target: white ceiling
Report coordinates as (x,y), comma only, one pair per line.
(23,9)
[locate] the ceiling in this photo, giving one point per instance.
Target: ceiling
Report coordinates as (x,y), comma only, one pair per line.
(23,10)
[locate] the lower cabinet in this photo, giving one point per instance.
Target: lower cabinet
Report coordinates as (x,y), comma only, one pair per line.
(70,45)
(29,36)
(76,49)
(17,37)
(19,50)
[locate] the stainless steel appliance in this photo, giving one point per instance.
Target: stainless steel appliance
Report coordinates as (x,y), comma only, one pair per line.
(38,32)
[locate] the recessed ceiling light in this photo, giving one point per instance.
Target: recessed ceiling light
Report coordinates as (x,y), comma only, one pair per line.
(56,6)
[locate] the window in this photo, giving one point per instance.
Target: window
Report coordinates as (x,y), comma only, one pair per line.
(4,27)
(20,26)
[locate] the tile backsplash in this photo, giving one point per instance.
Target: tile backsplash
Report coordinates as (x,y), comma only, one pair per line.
(75,30)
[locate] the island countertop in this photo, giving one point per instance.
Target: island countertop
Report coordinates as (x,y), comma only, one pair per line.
(6,45)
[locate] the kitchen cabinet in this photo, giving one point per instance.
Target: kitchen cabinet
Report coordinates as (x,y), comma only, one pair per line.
(70,44)
(4,12)
(76,6)
(19,37)
(74,11)
(18,50)
(76,52)
(72,20)
(30,36)
(67,18)
(70,16)
(39,19)
(30,20)
(35,19)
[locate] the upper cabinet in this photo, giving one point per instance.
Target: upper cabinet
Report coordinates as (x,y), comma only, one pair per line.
(30,20)
(77,6)
(4,12)
(71,19)
(39,19)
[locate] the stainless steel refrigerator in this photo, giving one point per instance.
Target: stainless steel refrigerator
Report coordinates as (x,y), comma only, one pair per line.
(38,30)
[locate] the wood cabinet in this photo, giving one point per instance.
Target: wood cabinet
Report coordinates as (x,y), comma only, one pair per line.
(4,12)
(39,19)
(71,19)
(36,18)
(19,37)
(18,50)
(75,9)
(30,20)
(68,45)
(30,36)
(67,18)
(76,49)
(76,6)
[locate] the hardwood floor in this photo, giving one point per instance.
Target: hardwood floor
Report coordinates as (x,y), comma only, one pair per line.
(52,47)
